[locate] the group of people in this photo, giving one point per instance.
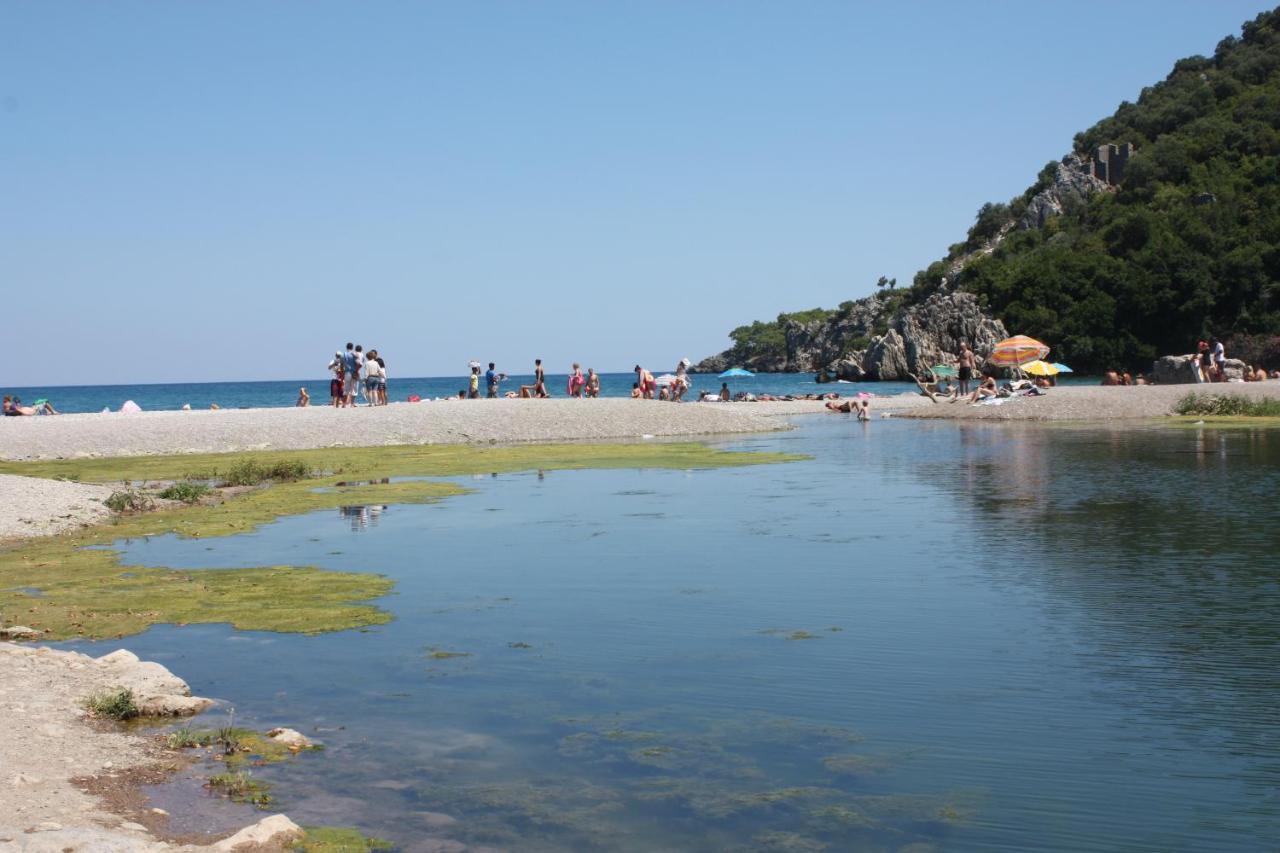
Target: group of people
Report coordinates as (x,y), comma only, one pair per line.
(1210,365)
(13,407)
(355,373)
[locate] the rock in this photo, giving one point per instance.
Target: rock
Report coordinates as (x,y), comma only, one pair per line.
(290,738)
(47,826)
(156,691)
(436,820)
(276,830)
(1074,182)
(1175,370)
(1181,370)
(19,632)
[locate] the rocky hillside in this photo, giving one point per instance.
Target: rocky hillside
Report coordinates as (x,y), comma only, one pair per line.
(1160,227)
(876,338)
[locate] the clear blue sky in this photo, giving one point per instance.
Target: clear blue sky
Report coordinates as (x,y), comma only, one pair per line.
(230,190)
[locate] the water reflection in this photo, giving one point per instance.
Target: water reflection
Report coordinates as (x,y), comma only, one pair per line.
(362,516)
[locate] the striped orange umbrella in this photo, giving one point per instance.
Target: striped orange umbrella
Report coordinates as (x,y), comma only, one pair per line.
(1016,351)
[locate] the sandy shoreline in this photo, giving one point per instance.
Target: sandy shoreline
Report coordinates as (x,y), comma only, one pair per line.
(1094,402)
(457,422)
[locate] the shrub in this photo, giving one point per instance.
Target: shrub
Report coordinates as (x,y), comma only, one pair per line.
(187,492)
(1227,404)
(128,500)
(251,473)
(116,704)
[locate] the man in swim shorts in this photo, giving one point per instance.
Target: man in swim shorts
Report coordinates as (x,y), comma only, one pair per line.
(966,367)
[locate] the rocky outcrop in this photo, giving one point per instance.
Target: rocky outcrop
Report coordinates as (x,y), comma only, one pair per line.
(872,340)
(1074,183)
(1175,370)
(1182,370)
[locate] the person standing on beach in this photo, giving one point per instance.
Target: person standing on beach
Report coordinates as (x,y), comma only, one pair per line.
(593,383)
(491,381)
(350,370)
(1219,360)
(335,383)
(966,368)
(473,383)
(576,381)
(646,382)
(539,379)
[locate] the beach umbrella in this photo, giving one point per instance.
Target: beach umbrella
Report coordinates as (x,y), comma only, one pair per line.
(1017,351)
(1062,368)
(734,372)
(1040,368)
(942,370)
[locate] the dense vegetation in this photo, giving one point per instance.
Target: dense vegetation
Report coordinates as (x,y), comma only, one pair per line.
(1187,246)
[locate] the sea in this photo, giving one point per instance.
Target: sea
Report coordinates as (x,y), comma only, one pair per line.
(926,636)
(283,393)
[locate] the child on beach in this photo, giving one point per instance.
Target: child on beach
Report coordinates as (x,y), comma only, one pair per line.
(304,399)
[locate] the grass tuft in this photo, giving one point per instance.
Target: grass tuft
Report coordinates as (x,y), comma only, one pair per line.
(1227,405)
(187,492)
(128,501)
(240,787)
(116,704)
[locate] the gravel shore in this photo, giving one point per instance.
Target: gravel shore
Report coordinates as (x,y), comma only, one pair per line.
(49,747)
(31,506)
(455,422)
(1093,403)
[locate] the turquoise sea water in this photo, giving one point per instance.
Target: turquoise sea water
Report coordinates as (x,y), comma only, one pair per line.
(930,636)
(233,395)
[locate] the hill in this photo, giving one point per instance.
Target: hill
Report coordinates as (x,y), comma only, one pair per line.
(1162,226)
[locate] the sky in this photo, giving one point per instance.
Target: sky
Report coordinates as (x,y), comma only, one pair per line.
(233,190)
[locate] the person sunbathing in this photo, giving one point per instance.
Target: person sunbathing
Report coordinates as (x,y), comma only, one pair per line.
(932,389)
(13,407)
(985,390)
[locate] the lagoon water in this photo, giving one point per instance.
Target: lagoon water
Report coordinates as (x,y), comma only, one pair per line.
(931,636)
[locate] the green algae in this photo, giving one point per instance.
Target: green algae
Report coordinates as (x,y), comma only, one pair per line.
(240,787)
(85,591)
(332,839)
(854,765)
(238,747)
(445,654)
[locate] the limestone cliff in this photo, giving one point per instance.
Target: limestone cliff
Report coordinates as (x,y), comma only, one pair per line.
(877,338)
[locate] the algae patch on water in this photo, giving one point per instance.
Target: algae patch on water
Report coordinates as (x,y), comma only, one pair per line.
(84,590)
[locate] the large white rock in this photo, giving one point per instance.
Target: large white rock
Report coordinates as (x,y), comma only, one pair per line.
(275,830)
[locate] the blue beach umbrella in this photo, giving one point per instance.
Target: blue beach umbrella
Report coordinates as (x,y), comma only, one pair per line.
(1062,368)
(735,371)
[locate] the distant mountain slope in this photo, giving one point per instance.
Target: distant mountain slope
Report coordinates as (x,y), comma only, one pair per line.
(1114,260)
